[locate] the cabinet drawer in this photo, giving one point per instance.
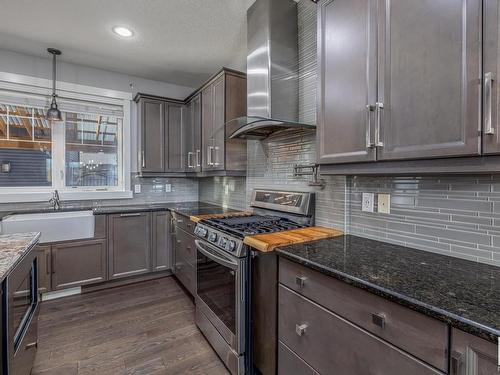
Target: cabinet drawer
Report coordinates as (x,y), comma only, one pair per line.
(186,273)
(289,363)
(331,344)
(185,246)
(183,222)
(420,335)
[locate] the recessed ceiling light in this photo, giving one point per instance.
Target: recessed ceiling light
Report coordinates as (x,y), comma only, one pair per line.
(123,31)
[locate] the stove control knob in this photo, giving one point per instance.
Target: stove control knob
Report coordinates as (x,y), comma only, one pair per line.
(223,242)
(231,245)
(212,237)
(203,232)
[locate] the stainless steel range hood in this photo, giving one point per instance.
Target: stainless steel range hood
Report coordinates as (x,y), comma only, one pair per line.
(272,71)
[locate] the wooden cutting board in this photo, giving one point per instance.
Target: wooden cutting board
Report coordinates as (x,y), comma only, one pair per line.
(196,218)
(269,241)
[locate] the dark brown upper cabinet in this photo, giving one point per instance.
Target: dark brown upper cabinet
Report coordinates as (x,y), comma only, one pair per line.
(162,134)
(223,99)
(491,75)
(193,147)
(152,125)
(188,137)
(348,81)
(401,82)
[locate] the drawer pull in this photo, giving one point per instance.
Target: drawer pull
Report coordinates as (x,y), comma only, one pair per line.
(180,221)
(300,281)
(300,329)
(131,215)
(379,320)
(31,345)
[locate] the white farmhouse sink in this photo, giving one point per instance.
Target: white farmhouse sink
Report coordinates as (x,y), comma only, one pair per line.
(53,226)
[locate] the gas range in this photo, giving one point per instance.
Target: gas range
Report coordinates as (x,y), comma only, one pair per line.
(229,232)
(273,211)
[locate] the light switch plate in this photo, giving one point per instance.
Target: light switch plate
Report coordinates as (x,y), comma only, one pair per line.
(384,203)
(368,202)
(137,189)
(168,188)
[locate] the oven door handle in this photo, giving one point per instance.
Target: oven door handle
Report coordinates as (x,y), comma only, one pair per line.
(209,250)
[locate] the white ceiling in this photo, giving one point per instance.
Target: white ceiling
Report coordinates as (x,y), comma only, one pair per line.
(177,41)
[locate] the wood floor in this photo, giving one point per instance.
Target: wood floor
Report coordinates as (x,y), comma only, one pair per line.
(144,329)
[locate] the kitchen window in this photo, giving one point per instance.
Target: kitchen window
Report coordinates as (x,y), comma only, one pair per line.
(86,156)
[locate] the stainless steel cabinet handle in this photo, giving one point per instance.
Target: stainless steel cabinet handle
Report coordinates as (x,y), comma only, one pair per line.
(488,84)
(300,281)
(369,109)
(179,221)
(143,159)
(198,158)
(190,160)
(212,150)
(209,155)
(31,345)
(379,320)
(131,215)
(378,107)
(216,149)
(300,329)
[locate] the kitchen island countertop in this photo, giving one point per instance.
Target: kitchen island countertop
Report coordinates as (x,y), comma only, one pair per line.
(13,247)
(463,293)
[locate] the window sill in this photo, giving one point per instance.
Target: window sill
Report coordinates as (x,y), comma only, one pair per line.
(65,195)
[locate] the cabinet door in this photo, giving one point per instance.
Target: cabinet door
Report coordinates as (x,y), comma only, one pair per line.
(153,147)
(429,78)
(196,132)
(207,111)
(471,355)
(347,82)
(78,263)
(219,119)
(175,138)
(491,87)
(161,245)
(129,244)
(44,268)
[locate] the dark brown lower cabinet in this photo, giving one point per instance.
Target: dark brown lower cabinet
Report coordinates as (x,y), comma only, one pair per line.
(471,355)
(161,241)
(44,268)
(129,244)
(185,259)
(331,344)
(78,263)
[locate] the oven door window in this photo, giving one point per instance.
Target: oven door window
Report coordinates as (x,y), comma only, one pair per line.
(216,287)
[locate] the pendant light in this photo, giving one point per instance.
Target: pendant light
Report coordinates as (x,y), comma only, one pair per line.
(54,114)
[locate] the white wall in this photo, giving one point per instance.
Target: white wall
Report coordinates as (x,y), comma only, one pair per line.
(13,62)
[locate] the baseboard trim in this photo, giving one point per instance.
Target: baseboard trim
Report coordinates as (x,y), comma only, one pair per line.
(56,294)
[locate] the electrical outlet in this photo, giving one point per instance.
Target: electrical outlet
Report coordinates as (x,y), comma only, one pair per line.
(168,188)
(137,189)
(384,203)
(368,202)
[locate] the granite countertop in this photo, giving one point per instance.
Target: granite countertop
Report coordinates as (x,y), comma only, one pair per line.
(462,293)
(184,208)
(13,247)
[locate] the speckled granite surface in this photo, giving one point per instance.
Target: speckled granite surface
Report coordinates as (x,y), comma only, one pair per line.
(462,293)
(184,208)
(12,249)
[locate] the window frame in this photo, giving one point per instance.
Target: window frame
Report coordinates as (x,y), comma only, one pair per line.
(32,85)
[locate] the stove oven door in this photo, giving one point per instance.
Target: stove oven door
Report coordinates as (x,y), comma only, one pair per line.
(221,292)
